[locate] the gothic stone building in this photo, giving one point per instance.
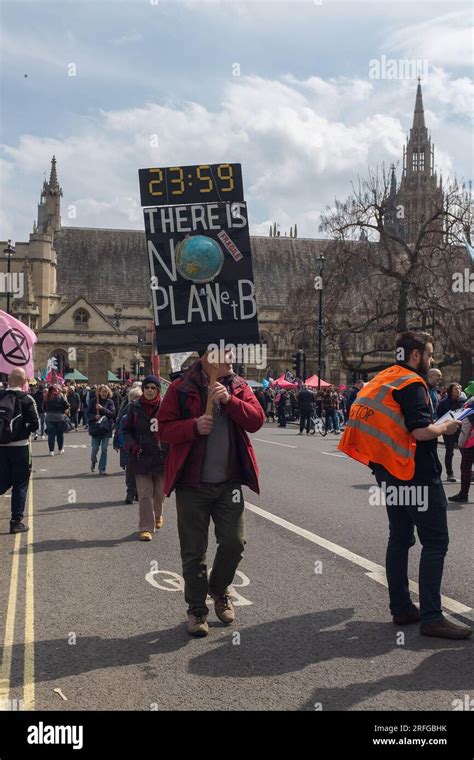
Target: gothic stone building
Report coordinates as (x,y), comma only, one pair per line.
(86,291)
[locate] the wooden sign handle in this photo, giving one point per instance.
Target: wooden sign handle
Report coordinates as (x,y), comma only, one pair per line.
(212,380)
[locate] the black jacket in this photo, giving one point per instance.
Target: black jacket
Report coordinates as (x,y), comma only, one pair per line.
(109,412)
(147,456)
(449,405)
(39,401)
(305,401)
(74,401)
(30,420)
(56,405)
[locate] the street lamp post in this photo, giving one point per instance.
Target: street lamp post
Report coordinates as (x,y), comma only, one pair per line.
(8,251)
(320,261)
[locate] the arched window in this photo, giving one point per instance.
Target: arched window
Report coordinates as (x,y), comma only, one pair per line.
(81,318)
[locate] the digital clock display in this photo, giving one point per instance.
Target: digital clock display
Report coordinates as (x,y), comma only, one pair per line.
(205,183)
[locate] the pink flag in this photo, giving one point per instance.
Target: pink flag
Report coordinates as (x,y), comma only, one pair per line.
(16,345)
(54,378)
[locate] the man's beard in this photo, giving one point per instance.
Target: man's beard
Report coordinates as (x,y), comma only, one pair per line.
(423,366)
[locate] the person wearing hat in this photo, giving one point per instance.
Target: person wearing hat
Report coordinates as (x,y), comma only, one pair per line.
(210,459)
(146,456)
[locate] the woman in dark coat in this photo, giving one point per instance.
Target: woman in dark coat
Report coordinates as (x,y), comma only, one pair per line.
(101,414)
(452,402)
(119,444)
(147,456)
(55,406)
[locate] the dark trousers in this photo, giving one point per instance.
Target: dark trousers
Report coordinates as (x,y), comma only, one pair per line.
(332,419)
(15,470)
(55,430)
(467,458)
(74,417)
(281,416)
(450,444)
(305,421)
(432,528)
(130,485)
(224,502)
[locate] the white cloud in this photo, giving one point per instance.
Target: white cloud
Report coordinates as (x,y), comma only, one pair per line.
(301,143)
(444,40)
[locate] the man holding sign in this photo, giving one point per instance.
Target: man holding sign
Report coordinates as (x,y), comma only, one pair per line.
(202,289)
(205,417)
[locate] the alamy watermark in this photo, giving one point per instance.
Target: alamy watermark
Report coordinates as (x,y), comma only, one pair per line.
(463,282)
(240,353)
(12,282)
(399,496)
(403,68)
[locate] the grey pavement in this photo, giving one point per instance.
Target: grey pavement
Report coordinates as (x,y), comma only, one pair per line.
(312,632)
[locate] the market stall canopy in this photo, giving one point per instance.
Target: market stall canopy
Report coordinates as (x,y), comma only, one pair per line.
(75,375)
(312,382)
(111,378)
(284,383)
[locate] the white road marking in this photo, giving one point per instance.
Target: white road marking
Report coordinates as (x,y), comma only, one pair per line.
(172,581)
(374,571)
(276,444)
(330,454)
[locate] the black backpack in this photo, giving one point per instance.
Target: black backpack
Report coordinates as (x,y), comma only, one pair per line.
(11,417)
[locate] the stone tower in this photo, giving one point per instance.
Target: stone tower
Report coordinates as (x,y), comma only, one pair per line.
(41,256)
(419,194)
(49,207)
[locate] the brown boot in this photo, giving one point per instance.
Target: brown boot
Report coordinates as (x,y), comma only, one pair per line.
(224,608)
(197,625)
(444,629)
(405,618)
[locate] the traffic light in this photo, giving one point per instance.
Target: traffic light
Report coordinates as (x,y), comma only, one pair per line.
(297,364)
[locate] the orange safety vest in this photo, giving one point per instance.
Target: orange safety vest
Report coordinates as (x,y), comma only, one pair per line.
(375,431)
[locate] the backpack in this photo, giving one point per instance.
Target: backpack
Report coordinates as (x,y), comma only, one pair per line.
(11,417)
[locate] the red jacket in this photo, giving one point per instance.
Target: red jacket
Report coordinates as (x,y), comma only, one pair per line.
(176,424)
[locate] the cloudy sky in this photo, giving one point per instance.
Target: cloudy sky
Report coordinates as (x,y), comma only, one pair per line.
(285,88)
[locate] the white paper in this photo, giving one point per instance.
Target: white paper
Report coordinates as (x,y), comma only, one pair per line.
(450,416)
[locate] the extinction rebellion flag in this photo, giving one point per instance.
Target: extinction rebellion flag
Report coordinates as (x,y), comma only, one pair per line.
(16,345)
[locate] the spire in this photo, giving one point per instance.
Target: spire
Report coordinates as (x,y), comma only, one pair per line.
(419,116)
(49,207)
(53,185)
(393,181)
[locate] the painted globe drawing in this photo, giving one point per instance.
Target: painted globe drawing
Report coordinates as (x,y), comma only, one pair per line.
(199,258)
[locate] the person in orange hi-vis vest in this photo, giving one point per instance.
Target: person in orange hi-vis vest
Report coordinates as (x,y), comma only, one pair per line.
(391,430)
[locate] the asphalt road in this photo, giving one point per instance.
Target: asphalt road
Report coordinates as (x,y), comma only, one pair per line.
(100,616)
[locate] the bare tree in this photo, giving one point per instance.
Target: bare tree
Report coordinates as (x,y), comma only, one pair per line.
(377,284)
